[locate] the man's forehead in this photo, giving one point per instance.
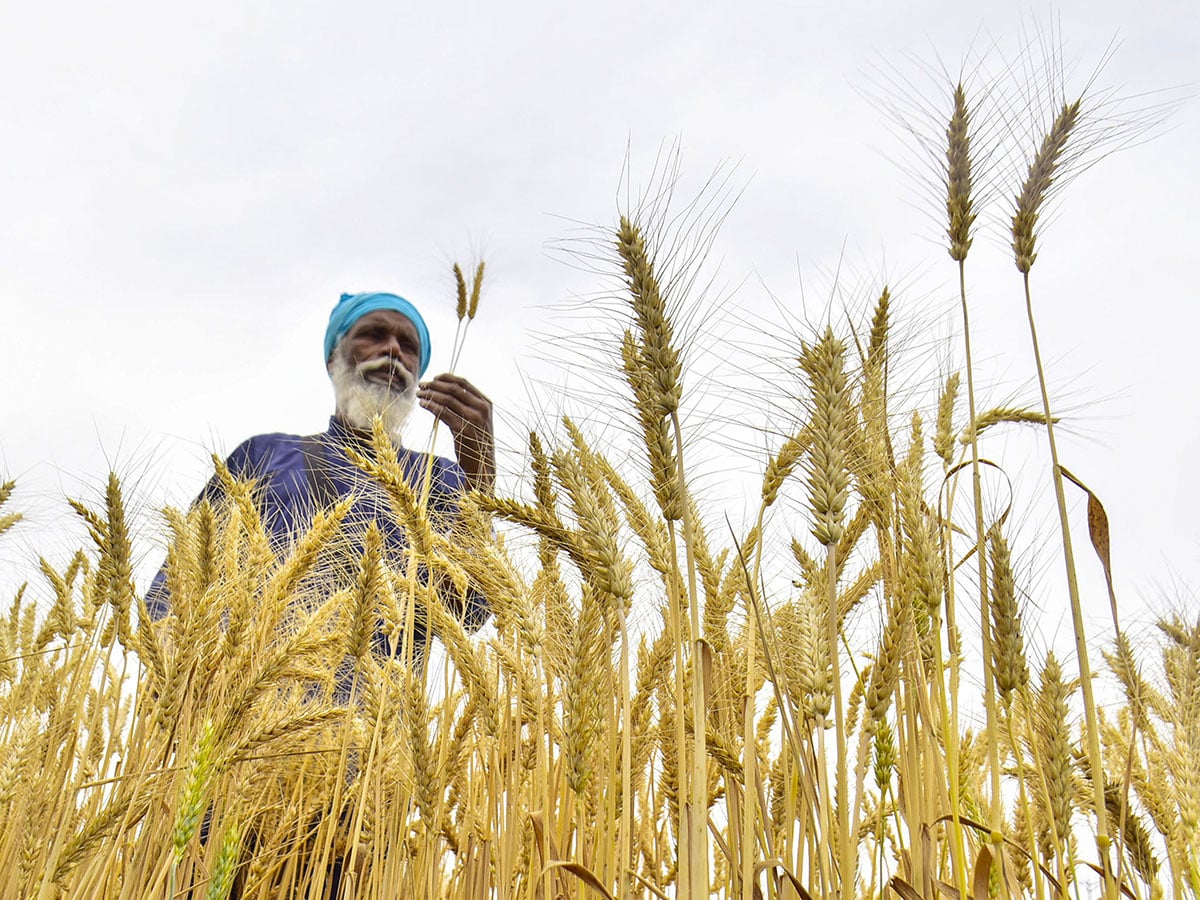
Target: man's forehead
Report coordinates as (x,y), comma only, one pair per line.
(388,317)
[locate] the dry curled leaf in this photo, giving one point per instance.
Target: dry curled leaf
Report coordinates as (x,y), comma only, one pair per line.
(582,872)
(1098,532)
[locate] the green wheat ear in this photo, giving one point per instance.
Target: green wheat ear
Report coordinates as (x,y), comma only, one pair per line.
(201,767)
(225,865)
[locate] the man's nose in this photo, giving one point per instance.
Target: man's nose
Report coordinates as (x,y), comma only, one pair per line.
(395,348)
(391,347)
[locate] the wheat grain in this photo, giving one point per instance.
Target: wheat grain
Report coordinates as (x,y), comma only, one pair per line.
(885,670)
(884,746)
(943,441)
(1008,645)
(1134,836)
(658,358)
(1038,181)
(781,465)
(1000,414)
(225,865)
(8,520)
(460,284)
(201,768)
(476,288)
(824,364)
(415,713)
(959,201)
(1053,750)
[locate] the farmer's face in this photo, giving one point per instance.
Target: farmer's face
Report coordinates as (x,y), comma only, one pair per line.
(374,372)
(379,335)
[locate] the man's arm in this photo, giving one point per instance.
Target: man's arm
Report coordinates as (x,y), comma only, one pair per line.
(468,414)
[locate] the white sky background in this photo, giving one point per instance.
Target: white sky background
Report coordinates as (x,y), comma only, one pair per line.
(185,191)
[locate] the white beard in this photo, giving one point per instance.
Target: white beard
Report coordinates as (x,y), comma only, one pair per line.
(359,401)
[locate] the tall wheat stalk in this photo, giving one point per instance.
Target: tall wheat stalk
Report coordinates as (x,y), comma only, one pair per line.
(960,209)
(1041,175)
(655,373)
(655,713)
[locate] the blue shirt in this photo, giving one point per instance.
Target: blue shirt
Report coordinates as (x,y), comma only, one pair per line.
(297,475)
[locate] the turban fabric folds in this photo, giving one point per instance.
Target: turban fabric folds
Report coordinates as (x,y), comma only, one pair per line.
(353,307)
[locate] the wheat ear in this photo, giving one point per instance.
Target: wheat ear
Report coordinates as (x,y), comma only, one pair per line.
(1041,176)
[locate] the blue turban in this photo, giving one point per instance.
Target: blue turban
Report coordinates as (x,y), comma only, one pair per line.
(353,307)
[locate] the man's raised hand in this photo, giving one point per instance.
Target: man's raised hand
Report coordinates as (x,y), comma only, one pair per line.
(468,414)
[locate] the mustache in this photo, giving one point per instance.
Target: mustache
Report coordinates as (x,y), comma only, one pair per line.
(402,379)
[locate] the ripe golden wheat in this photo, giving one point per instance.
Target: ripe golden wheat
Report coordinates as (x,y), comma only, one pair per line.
(744,739)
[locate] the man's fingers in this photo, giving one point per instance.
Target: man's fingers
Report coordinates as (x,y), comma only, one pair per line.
(447,378)
(456,387)
(454,412)
(462,408)
(452,398)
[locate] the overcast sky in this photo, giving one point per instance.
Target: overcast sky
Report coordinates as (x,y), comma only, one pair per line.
(187,188)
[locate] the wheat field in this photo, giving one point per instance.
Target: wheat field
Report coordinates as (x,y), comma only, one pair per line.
(663,708)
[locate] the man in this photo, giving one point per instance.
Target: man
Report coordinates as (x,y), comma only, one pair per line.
(376,350)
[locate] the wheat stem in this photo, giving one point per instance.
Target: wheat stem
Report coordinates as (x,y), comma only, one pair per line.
(1091,731)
